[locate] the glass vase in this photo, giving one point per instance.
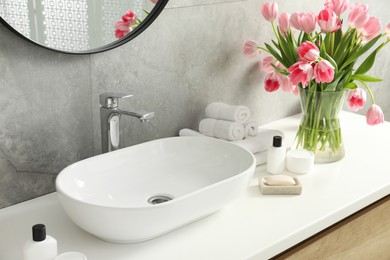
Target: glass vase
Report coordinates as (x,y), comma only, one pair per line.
(319,130)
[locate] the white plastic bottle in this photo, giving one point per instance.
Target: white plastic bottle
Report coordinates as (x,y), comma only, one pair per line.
(276,156)
(41,247)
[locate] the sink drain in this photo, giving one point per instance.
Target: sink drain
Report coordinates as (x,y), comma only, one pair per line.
(158,199)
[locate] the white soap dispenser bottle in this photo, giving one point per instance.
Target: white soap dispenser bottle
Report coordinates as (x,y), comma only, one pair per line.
(276,156)
(41,247)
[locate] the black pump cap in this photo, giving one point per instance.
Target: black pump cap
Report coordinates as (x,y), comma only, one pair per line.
(39,232)
(277,141)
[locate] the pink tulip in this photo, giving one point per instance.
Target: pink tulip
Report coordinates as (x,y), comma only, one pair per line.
(304,22)
(328,21)
(130,17)
(324,72)
(154,1)
(358,15)
(295,20)
(337,6)
(308,51)
(272,81)
(356,99)
(284,23)
(121,25)
(309,22)
(286,85)
(121,29)
(301,72)
(125,25)
(120,34)
(371,29)
(250,49)
(374,115)
(266,64)
(269,11)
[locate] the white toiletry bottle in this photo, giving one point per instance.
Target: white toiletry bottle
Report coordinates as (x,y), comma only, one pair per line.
(276,156)
(41,247)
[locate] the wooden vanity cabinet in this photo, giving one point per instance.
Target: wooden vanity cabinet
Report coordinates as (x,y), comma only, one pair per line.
(364,235)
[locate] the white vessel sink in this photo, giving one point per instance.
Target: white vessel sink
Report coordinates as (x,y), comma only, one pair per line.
(143,191)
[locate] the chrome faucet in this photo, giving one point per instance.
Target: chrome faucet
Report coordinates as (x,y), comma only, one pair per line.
(110,115)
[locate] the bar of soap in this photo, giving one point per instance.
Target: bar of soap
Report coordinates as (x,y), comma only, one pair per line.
(280,185)
(279,180)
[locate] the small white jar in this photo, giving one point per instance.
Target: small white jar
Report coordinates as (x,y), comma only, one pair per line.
(300,161)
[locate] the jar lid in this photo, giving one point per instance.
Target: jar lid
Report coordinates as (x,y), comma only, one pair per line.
(71,256)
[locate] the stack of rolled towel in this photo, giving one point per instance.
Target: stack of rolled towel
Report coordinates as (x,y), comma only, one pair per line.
(232,123)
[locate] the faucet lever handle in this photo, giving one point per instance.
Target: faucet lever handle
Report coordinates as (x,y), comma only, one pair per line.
(110,99)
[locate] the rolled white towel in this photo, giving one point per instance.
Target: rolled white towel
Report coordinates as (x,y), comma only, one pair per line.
(223,111)
(261,142)
(251,129)
(226,130)
(189,132)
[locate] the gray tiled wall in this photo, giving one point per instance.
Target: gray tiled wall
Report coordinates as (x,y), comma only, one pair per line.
(190,56)
(45,119)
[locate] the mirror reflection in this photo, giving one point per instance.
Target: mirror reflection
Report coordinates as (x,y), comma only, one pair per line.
(74,25)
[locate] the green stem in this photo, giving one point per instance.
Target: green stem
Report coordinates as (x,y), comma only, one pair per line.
(383,43)
(320,129)
(293,37)
(328,43)
(263,49)
(369,91)
(331,44)
(273,28)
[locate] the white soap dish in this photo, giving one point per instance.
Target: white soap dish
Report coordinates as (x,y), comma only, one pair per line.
(280,185)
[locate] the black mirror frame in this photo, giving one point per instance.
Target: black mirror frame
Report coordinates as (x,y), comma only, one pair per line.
(137,31)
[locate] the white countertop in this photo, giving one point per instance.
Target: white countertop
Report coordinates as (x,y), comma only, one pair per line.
(254,226)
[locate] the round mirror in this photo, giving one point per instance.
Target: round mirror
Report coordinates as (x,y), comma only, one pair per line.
(79,26)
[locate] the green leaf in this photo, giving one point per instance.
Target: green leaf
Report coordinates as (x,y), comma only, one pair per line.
(332,61)
(300,37)
(288,53)
(322,47)
(338,37)
(282,48)
(369,61)
(367,64)
(351,85)
(276,55)
(346,78)
(291,44)
(276,45)
(345,41)
(280,70)
(360,51)
(365,78)
(326,43)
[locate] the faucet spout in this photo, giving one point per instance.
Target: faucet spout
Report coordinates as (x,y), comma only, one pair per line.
(141,115)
